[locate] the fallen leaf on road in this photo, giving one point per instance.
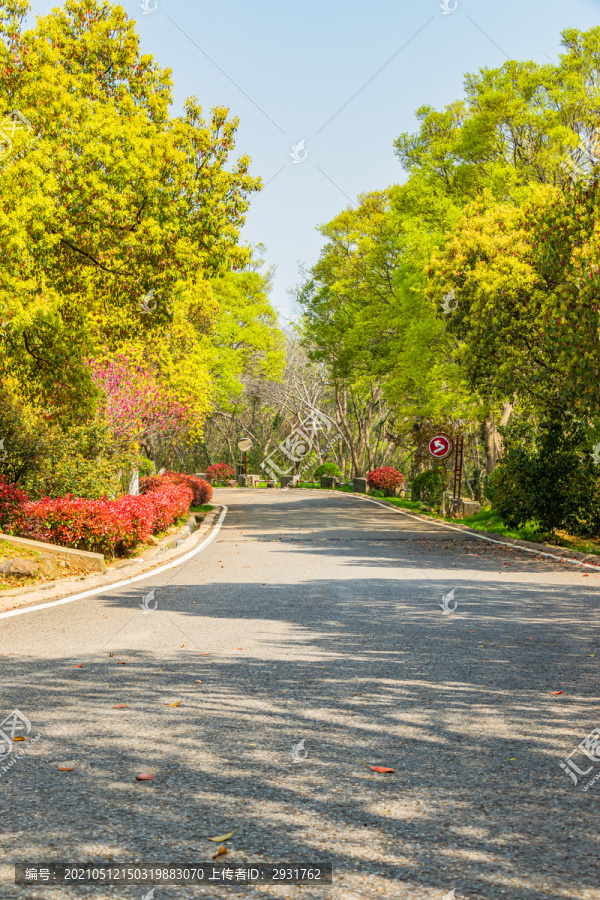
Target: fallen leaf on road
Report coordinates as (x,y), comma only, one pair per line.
(205,654)
(121,663)
(145,776)
(65,768)
(199,681)
(222,837)
(382,769)
(176,703)
(80,666)
(120,706)
(111,654)
(19,738)
(557,692)
(220,852)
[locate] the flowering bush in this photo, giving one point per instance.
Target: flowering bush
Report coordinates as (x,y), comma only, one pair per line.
(137,400)
(385,479)
(104,526)
(220,473)
(201,489)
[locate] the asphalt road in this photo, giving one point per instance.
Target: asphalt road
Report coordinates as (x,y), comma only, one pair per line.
(313,617)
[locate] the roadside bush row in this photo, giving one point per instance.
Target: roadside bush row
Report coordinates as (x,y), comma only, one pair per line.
(201,489)
(112,527)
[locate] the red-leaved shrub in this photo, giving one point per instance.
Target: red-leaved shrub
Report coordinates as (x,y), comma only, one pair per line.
(220,472)
(202,489)
(385,479)
(104,526)
(10,498)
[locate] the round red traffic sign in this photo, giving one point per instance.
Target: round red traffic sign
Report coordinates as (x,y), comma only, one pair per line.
(440,446)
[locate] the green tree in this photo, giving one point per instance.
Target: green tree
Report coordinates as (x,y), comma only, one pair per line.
(113,200)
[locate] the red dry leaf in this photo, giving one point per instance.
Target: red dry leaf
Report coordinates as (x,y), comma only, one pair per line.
(111,654)
(65,768)
(121,663)
(145,776)
(383,769)
(120,706)
(557,692)
(220,852)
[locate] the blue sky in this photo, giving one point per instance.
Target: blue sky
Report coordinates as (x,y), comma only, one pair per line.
(344,77)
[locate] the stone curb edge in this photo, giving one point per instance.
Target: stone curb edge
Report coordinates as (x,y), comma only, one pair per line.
(167,551)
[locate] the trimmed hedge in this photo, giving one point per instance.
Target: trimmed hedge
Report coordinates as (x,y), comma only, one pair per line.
(220,472)
(112,527)
(385,479)
(201,489)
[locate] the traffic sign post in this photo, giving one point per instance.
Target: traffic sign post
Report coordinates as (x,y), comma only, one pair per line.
(458,465)
(440,446)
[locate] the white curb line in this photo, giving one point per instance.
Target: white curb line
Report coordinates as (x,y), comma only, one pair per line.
(119,584)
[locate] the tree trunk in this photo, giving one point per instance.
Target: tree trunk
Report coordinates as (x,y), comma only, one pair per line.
(341,407)
(491,438)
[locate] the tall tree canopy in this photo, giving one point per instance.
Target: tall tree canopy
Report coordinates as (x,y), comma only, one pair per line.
(115,200)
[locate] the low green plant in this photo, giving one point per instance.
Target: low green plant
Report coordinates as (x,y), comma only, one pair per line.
(79,462)
(428,488)
(328,469)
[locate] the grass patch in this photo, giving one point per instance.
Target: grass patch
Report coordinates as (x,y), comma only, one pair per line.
(489,520)
(11,551)
(201,509)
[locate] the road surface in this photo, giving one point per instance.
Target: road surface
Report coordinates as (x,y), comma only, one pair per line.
(314,618)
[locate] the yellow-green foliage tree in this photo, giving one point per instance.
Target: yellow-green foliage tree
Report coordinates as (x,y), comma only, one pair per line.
(108,200)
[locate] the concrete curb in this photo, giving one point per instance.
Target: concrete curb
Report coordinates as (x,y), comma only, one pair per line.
(77,559)
(169,549)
